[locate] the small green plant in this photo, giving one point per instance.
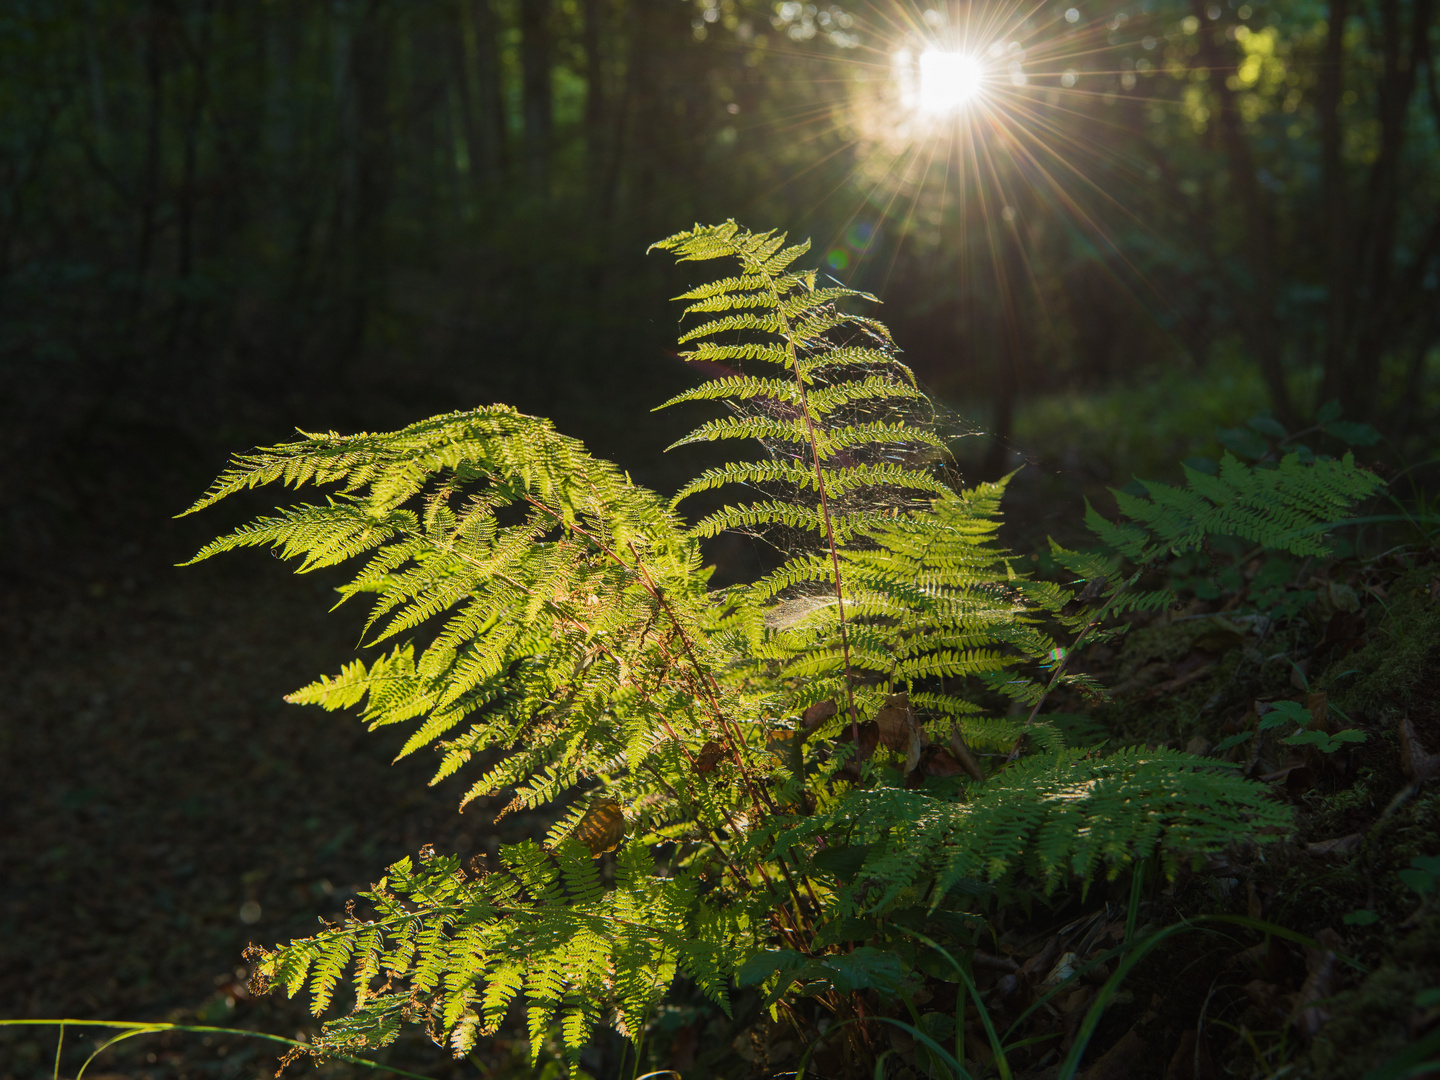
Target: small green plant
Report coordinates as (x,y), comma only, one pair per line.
(1290,714)
(1422,875)
(797,777)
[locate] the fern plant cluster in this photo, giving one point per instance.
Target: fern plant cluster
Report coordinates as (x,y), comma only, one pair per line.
(783,769)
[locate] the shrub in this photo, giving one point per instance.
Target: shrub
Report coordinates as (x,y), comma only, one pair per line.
(787,770)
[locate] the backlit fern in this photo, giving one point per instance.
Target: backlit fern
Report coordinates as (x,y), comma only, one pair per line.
(769,762)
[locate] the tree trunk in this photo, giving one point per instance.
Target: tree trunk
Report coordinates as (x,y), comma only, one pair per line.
(1259,314)
(595,98)
(1375,333)
(535,96)
(1341,268)
(491,144)
(370,50)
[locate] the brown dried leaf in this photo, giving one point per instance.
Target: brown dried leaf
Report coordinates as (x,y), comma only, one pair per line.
(864,749)
(940,762)
(990,962)
(602,828)
(1341,845)
(816,715)
(961,753)
(709,756)
(896,723)
(1115,1063)
(1419,764)
(1323,980)
(1297,776)
(912,751)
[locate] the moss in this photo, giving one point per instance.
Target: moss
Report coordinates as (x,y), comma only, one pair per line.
(1149,657)
(1401,653)
(1372,1022)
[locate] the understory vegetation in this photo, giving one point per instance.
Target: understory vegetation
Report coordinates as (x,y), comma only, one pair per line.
(1146,799)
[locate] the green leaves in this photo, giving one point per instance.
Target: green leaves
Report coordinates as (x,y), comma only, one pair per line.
(1054,817)
(1422,875)
(543,615)
(865,968)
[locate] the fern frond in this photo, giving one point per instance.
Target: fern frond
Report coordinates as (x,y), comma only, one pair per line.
(1287,508)
(550,625)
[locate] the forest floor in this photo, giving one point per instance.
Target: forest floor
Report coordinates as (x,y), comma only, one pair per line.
(162,808)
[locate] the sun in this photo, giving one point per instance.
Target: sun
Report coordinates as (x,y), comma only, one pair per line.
(948,81)
(939,82)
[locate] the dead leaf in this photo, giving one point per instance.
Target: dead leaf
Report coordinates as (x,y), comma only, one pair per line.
(869,734)
(912,751)
(782,742)
(1268,998)
(1219,639)
(1181,681)
(1115,1063)
(1344,631)
(1321,982)
(1064,968)
(940,762)
(1094,590)
(1044,959)
(1318,704)
(1341,845)
(896,723)
(1418,763)
(1182,1062)
(1343,597)
(709,756)
(816,715)
(1296,775)
(1299,674)
(962,754)
(990,962)
(602,828)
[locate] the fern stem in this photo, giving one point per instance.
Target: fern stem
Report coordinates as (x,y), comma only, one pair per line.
(658,594)
(788,334)
(1019,746)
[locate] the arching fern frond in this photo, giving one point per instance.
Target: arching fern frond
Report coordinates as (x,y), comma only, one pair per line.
(831,741)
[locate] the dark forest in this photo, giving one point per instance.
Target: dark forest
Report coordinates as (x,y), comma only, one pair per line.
(1192,242)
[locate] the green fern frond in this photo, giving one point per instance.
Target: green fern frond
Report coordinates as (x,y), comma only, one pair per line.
(551,627)
(1286,508)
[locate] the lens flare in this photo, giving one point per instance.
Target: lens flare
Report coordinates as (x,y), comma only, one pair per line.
(969,131)
(948,81)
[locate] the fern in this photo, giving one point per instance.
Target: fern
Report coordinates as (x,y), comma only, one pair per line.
(529,600)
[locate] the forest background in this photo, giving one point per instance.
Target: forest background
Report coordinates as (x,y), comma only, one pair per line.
(219,220)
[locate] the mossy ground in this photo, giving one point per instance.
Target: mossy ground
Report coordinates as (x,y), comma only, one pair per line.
(1354,895)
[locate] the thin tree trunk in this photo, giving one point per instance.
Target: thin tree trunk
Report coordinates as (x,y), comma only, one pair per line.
(535,94)
(1375,334)
(186,197)
(374,171)
(460,89)
(148,188)
(1259,316)
(595,98)
(1341,269)
(492,147)
(1009,261)
(609,175)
